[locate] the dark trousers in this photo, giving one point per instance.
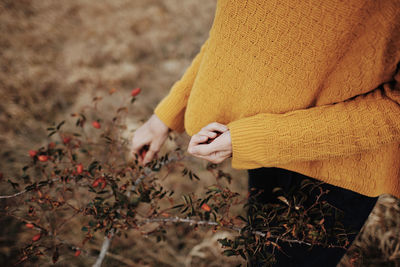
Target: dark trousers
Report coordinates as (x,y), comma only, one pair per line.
(356,208)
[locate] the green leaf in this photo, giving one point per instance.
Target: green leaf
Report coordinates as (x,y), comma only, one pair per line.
(14,185)
(92,166)
(60,124)
(51,134)
(242,218)
(225,242)
(108,139)
(30,187)
(156,169)
(178,206)
(184,210)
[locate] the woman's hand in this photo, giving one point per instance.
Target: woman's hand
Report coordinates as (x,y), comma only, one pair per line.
(151,136)
(212,143)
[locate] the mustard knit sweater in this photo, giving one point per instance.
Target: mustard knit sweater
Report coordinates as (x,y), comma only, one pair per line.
(309,86)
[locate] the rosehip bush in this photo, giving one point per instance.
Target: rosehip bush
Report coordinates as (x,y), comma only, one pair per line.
(86,175)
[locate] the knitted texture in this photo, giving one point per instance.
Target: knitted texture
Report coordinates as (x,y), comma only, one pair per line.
(309,86)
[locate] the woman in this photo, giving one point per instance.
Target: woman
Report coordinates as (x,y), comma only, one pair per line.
(296,89)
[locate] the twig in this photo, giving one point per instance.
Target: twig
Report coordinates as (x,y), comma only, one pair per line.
(25,190)
(107,239)
(117,257)
(230,227)
(14,195)
(104,249)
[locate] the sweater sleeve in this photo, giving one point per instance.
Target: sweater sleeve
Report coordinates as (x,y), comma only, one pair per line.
(361,123)
(171,109)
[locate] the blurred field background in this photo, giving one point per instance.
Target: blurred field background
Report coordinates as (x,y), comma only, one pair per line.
(55,56)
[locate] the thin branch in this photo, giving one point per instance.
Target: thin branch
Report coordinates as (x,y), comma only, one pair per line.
(107,239)
(24,191)
(117,257)
(104,249)
(14,195)
(230,227)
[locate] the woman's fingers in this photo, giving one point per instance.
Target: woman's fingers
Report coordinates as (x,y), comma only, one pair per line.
(137,144)
(203,149)
(215,126)
(210,135)
(221,143)
(208,132)
(197,145)
(153,150)
(216,151)
(148,139)
(197,139)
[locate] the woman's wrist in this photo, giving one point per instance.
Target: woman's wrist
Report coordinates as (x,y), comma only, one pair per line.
(161,124)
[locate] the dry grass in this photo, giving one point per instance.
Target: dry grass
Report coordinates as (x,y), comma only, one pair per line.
(378,243)
(56,55)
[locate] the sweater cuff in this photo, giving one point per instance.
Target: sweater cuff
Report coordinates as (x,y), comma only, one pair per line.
(248,142)
(171,113)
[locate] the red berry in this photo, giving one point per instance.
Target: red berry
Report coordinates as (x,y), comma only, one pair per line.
(205,207)
(43,158)
(32,153)
(96,182)
(77,252)
(52,145)
(79,168)
(29,225)
(36,237)
(112,91)
(135,92)
(143,153)
(103,183)
(96,124)
(66,140)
